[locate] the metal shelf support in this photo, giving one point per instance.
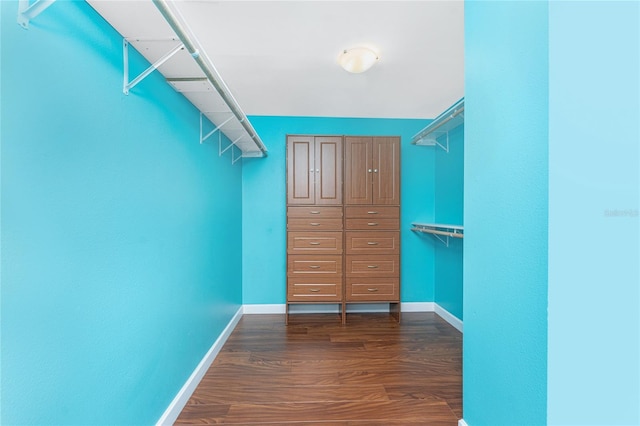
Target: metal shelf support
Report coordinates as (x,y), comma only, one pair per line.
(128,85)
(442,125)
(28,11)
(441,232)
(218,127)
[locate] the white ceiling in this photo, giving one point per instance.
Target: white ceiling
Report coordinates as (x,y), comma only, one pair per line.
(279,57)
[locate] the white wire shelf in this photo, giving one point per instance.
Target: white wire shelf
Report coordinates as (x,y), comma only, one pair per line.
(442,125)
(439,230)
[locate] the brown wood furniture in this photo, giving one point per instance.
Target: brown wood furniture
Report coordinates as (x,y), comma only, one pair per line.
(343,253)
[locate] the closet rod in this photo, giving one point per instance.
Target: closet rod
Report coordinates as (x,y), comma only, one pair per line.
(445,120)
(209,70)
(434,231)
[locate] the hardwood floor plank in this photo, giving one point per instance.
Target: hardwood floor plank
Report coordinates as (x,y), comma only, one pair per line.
(316,371)
(264,394)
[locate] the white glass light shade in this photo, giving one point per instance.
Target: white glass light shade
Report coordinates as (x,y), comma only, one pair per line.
(357,59)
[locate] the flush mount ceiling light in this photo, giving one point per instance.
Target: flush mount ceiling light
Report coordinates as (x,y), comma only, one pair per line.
(357,59)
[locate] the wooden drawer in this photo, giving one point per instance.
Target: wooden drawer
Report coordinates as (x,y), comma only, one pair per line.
(373,290)
(378,212)
(372,224)
(383,265)
(329,265)
(381,242)
(314,290)
(314,212)
(300,242)
(314,224)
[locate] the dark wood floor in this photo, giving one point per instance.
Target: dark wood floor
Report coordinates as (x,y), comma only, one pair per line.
(371,371)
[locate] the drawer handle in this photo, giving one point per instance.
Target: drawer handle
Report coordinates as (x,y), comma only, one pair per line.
(372,266)
(314,243)
(314,224)
(372,243)
(372,290)
(372,212)
(314,290)
(372,224)
(314,212)
(314,266)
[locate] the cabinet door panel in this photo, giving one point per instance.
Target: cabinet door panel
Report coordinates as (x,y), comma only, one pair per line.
(373,212)
(314,212)
(314,265)
(314,289)
(313,224)
(358,178)
(300,170)
(372,224)
(328,166)
(382,242)
(386,166)
(373,289)
(300,242)
(381,265)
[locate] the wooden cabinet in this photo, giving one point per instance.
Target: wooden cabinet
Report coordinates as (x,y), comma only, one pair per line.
(314,170)
(372,170)
(343,253)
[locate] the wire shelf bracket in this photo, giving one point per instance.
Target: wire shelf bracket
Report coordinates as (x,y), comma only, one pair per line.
(439,231)
(28,11)
(128,85)
(441,126)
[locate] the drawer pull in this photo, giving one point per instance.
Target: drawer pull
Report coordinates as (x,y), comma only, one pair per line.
(314,290)
(314,212)
(372,290)
(314,224)
(314,266)
(314,243)
(372,224)
(372,243)
(372,266)
(372,212)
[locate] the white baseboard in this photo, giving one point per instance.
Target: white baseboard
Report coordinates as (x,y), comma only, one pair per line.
(417,306)
(354,307)
(264,309)
(448,317)
(461,422)
(173,411)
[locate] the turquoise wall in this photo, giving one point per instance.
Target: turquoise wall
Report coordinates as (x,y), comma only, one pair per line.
(449,201)
(594,197)
(264,204)
(121,247)
(505,213)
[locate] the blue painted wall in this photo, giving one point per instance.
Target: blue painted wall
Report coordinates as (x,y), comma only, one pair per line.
(121,234)
(264,204)
(594,197)
(505,213)
(449,202)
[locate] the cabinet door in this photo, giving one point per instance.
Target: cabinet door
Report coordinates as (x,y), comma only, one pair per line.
(300,170)
(386,171)
(358,171)
(328,170)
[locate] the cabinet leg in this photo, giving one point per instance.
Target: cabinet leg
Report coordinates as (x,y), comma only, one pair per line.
(394,309)
(286,314)
(344,313)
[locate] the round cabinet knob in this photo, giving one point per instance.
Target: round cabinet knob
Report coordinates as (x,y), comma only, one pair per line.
(369,170)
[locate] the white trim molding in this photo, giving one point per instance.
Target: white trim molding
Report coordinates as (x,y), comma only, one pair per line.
(448,317)
(263,309)
(417,306)
(461,422)
(173,410)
